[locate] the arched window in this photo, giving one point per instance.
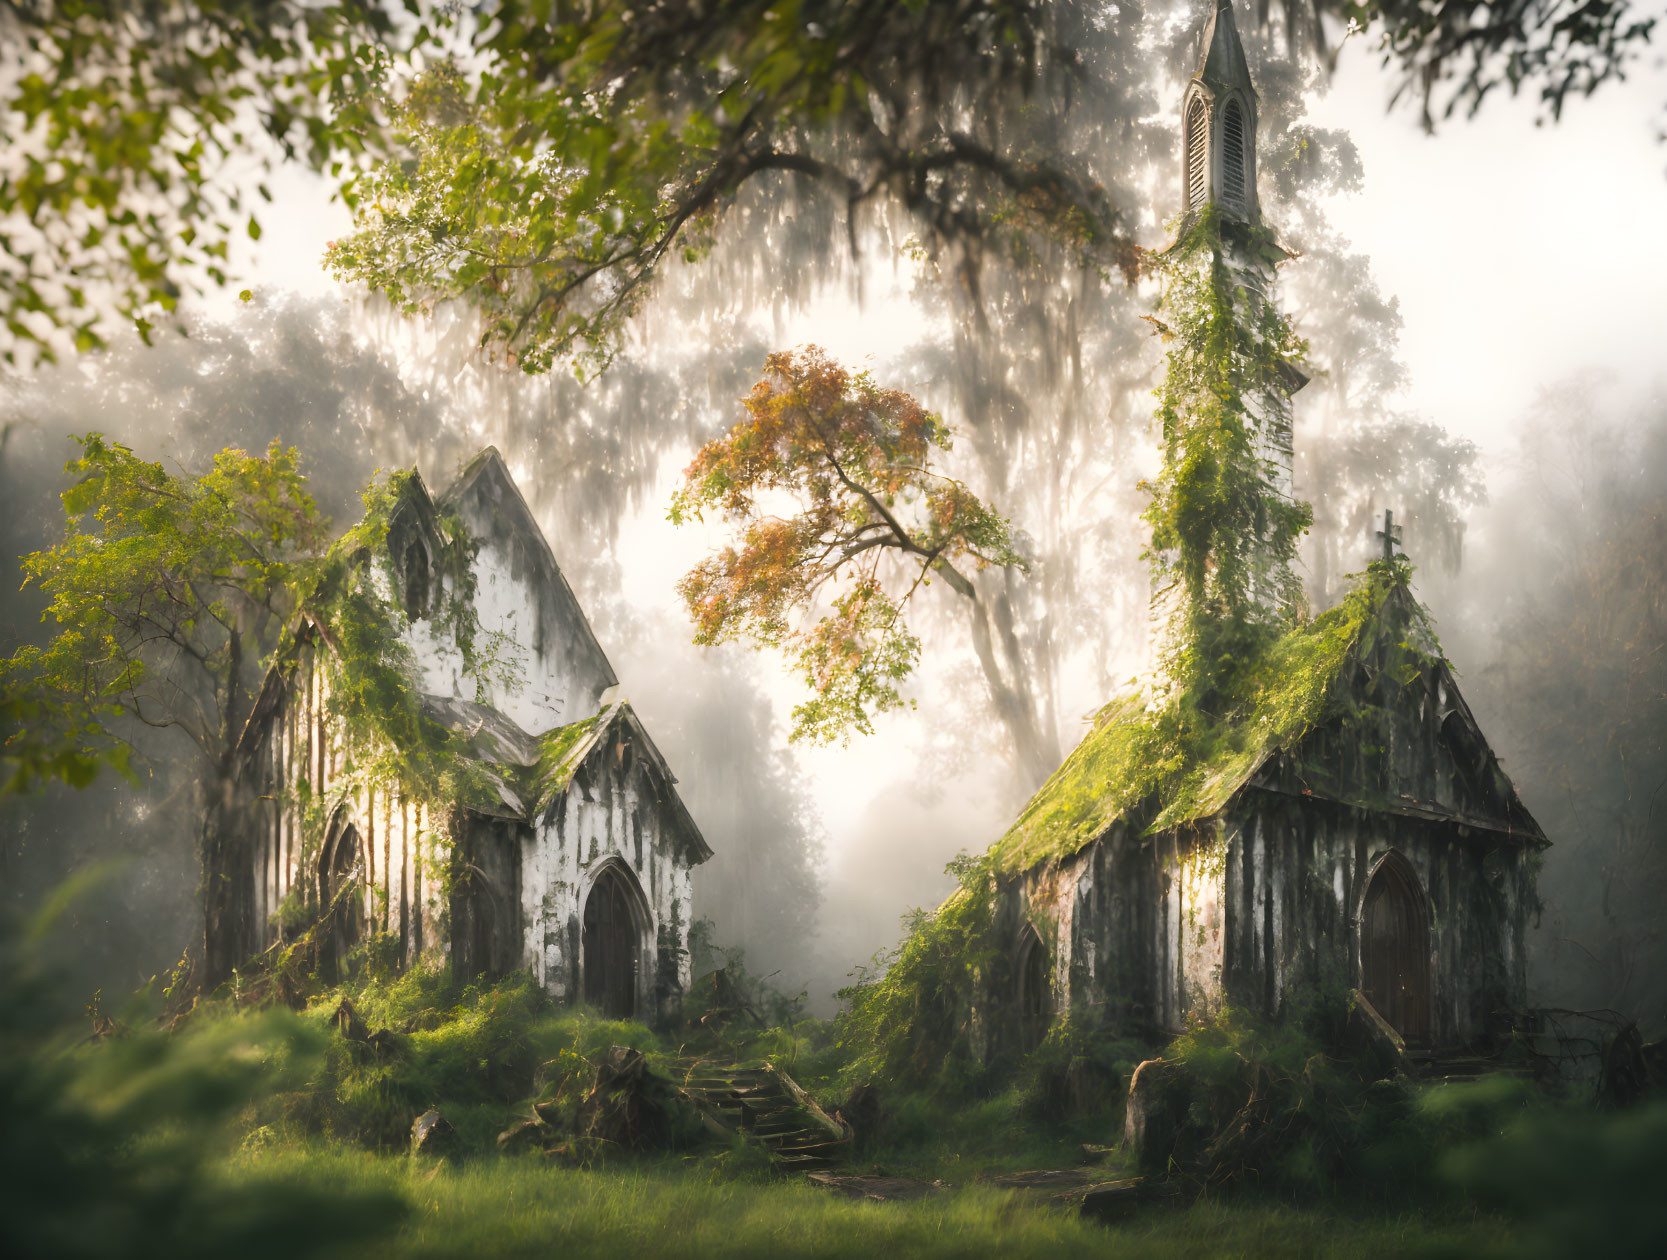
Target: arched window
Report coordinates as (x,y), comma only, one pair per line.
(1232,157)
(1395,949)
(413,570)
(1198,153)
(341,873)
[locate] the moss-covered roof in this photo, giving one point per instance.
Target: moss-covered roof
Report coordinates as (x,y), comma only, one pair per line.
(1175,764)
(560,753)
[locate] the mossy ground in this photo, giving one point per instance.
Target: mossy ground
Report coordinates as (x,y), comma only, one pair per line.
(267,1134)
(509,1207)
(472,1051)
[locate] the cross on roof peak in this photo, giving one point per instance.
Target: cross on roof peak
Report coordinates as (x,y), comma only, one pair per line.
(1389,536)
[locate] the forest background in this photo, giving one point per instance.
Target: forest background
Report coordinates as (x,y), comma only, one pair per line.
(1480,311)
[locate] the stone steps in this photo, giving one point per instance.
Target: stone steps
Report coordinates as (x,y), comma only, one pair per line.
(757,1104)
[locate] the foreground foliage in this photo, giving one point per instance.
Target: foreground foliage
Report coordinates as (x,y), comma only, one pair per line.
(272,1134)
(114,1145)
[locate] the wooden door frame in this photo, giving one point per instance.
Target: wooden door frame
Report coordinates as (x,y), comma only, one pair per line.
(1397,861)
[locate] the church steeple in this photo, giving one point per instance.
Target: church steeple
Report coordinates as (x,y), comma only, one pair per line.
(1218,145)
(1224,513)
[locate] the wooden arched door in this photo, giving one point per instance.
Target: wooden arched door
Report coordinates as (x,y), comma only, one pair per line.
(613,944)
(340,883)
(1395,949)
(1035,989)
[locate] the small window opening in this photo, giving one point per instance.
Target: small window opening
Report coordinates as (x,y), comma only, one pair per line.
(1232,157)
(1198,157)
(415,578)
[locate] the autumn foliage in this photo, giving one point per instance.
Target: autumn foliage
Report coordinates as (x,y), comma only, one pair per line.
(840,519)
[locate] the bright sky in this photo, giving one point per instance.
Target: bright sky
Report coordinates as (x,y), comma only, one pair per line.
(1520,254)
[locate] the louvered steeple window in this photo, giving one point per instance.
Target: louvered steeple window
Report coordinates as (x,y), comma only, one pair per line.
(1198,155)
(1232,157)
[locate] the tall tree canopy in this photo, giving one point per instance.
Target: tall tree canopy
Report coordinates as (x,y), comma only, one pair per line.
(165,592)
(543,160)
(548,190)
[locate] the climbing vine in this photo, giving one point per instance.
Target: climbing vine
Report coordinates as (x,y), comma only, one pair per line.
(1223,534)
(907,1022)
(353,608)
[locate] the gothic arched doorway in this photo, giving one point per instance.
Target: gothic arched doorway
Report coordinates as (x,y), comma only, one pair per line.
(341,874)
(1035,989)
(1395,949)
(613,935)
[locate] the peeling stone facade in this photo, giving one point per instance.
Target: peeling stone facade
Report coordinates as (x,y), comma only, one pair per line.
(578,869)
(1390,829)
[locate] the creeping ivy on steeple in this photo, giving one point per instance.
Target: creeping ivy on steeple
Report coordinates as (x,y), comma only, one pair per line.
(1218,145)
(1224,515)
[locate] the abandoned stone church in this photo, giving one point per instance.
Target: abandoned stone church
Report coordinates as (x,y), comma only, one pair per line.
(575,863)
(1352,830)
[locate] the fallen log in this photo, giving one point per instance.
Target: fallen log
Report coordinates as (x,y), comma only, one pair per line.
(835,1129)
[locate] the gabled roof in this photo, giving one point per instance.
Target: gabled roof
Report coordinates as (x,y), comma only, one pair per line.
(525,773)
(566,750)
(529,774)
(1153,771)
(486,496)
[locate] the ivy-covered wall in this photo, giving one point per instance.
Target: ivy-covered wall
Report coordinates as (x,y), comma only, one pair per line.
(300,795)
(1259,902)
(431,769)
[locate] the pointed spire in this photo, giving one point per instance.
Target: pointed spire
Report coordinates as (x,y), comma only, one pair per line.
(1223,64)
(1218,111)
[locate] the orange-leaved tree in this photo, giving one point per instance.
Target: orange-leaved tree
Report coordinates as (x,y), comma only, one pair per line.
(840,520)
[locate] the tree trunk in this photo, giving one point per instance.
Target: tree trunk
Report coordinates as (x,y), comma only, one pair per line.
(228,885)
(1035,746)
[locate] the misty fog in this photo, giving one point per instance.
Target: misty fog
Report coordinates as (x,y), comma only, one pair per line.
(1542,554)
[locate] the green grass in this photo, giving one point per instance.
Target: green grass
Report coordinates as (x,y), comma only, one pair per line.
(520,1207)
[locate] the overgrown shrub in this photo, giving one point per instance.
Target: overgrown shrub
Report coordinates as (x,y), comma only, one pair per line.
(1266,1104)
(471,1051)
(908,1022)
(1079,1076)
(111,1146)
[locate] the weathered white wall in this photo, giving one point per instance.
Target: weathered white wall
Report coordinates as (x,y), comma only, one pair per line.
(521,593)
(612,811)
(556,681)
